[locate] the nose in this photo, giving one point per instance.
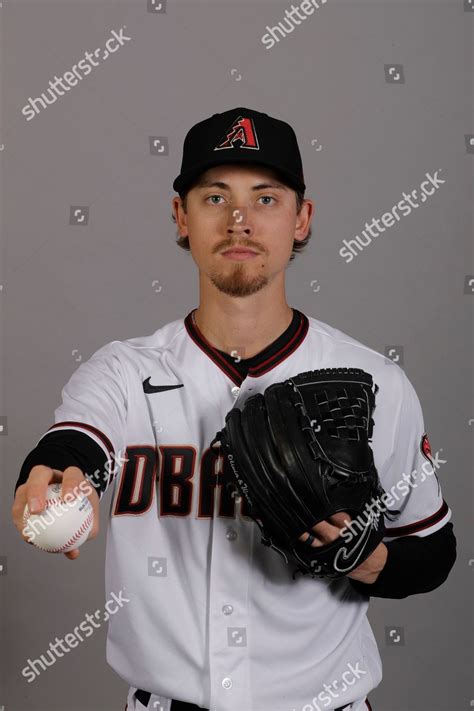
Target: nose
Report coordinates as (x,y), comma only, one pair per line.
(238,221)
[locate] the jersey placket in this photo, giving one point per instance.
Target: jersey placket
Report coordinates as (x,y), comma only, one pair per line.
(232,538)
(229,628)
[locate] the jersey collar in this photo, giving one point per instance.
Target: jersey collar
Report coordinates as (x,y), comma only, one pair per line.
(271,356)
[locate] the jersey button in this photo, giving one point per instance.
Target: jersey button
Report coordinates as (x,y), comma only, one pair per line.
(227,683)
(227,609)
(231,535)
(235,391)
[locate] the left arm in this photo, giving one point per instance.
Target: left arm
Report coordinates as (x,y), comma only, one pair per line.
(421,546)
(408,566)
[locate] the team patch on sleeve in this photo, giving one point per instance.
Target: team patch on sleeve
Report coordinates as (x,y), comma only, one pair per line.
(425,447)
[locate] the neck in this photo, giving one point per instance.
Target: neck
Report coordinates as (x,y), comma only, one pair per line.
(238,325)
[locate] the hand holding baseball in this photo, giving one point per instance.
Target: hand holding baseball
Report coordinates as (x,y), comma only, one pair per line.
(31,498)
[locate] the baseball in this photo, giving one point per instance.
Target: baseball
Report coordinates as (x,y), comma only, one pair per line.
(63,525)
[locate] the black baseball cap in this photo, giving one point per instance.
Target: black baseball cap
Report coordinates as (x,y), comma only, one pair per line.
(241,135)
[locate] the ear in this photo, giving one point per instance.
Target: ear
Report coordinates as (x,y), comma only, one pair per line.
(180,216)
(303,220)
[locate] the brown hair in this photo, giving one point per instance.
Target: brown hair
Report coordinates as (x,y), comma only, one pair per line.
(298,245)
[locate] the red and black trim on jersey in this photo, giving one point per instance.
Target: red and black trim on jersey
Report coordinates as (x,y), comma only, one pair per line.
(259,364)
(419,525)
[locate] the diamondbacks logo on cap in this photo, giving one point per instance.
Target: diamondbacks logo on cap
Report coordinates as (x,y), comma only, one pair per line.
(243,130)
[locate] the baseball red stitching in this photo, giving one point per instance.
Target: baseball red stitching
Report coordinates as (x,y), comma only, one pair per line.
(75,537)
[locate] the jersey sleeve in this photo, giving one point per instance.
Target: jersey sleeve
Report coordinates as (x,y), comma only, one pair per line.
(89,424)
(409,475)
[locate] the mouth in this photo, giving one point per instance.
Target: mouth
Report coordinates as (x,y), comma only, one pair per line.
(239,253)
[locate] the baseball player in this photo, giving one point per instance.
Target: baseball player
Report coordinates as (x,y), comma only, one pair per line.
(216,620)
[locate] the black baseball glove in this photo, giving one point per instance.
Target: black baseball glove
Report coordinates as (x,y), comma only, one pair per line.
(300,453)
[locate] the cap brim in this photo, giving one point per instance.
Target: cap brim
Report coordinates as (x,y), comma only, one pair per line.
(185,179)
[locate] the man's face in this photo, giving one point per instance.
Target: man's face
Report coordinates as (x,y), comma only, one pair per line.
(245,207)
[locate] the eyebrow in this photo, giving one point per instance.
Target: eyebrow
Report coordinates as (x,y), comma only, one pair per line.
(223,186)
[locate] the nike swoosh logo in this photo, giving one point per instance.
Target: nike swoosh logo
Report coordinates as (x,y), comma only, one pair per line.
(148,388)
(347,557)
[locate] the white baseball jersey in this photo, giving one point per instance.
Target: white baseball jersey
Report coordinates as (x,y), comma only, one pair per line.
(214,617)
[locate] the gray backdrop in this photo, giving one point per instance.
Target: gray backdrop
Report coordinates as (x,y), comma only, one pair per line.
(379,93)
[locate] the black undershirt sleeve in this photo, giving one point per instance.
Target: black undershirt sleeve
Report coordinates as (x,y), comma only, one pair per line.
(67,448)
(414,565)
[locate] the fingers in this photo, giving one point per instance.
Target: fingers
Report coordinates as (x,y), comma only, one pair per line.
(37,485)
(327,531)
(340,519)
(72,482)
(33,492)
(323,532)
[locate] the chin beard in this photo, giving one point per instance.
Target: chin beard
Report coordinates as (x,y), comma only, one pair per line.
(237,283)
